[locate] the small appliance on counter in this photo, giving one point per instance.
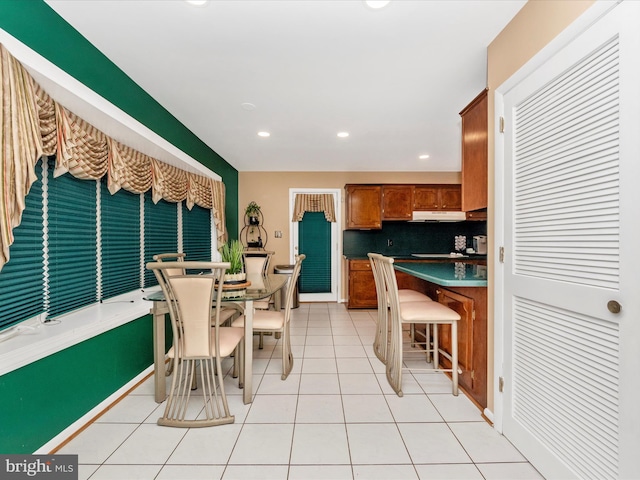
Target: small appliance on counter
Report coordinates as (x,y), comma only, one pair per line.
(480,244)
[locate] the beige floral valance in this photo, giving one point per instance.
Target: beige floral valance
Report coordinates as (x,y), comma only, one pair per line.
(310,202)
(33,125)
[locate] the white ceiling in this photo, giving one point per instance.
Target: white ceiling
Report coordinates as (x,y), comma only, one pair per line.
(394,78)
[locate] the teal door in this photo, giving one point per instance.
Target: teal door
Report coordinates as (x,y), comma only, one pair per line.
(314,240)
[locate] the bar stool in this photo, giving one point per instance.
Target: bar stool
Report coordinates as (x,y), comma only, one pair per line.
(425,312)
(405,295)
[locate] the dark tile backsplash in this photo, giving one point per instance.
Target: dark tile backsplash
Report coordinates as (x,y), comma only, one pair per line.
(409,237)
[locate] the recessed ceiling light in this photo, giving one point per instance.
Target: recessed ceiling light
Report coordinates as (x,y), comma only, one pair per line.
(264,134)
(197,3)
(248,106)
(423,157)
(377,4)
(343,134)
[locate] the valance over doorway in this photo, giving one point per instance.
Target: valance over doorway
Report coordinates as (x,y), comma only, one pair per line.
(314,202)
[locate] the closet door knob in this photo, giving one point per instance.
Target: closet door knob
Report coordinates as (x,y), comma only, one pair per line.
(613,306)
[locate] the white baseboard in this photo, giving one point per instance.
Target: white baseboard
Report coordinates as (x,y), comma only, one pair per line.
(489,414)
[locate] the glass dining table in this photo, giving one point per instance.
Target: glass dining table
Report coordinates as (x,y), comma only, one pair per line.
(261,287)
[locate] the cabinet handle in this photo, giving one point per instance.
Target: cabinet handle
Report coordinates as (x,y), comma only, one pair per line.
(444,206)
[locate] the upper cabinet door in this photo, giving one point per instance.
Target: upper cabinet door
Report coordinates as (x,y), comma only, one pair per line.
(475,152)
(363,206)
(450,198)
(426,198)
(397,202)
(436,197)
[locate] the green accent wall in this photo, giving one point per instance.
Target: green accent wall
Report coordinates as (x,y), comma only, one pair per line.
(38,26)
(43,398)
(40,400)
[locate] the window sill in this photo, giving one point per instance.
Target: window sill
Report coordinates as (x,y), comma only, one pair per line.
(32,341)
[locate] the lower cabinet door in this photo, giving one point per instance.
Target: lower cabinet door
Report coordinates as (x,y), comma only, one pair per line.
(464,306)
(362,286)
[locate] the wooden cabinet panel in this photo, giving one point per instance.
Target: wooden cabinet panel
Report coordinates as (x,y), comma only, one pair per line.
(362,286)
(363,206)
(475,153)
(464,306)
(426,198)
(397,202)
(437,197)
(450,198)
(471,304)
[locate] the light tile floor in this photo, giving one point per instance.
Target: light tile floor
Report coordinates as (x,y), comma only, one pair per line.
(334,418)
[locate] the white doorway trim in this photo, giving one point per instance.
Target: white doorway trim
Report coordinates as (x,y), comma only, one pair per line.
(336,242)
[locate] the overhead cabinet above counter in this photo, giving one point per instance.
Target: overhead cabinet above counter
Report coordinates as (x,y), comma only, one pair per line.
(367,206)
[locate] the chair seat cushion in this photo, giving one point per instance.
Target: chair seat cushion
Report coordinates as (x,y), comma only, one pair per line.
(427,312)
(408,295)
(230,337)
(263,320)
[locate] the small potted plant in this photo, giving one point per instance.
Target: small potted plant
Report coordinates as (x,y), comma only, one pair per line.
(253,212)
(232,252)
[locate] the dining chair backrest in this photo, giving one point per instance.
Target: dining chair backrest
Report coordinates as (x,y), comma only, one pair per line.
(192,297)
(380,340)
(256,264)
(390,284)
(171,257)
(291,287)
(199,306)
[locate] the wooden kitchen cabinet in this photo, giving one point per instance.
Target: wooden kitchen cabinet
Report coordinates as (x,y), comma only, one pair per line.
(397,202)
(362,286)
(470,303)
(363,206)
(475,153)
(437,197)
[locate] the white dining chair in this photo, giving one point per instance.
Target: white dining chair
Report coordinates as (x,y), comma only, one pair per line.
(278,321)
(199,345)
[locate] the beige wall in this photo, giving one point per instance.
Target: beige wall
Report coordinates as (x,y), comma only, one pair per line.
(270,190)
(537,23)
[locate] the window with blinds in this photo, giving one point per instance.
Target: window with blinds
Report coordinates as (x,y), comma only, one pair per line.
(72,244)
(120,241)
(22,279)
(160,232)
(196,233)
(77,244)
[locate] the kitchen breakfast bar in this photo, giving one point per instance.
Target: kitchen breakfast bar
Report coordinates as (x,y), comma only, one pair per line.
(461,286)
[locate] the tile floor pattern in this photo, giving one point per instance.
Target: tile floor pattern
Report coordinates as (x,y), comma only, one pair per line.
(334,418)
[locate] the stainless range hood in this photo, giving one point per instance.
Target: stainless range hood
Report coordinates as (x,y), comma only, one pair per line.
(438,216)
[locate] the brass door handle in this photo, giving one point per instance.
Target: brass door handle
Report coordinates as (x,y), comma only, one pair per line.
(613,306)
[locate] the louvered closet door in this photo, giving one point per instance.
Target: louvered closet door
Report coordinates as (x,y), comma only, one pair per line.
(572,187)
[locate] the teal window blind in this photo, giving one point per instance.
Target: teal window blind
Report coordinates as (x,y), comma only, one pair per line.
(160,232)
(314,239)
(120,240)
(196,233)
(22,278)
(71,243)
